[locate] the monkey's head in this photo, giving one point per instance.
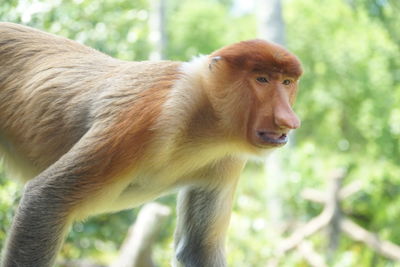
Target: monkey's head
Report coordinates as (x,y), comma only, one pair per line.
(255,87)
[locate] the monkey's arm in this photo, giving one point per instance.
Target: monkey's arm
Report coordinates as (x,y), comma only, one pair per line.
(203,217)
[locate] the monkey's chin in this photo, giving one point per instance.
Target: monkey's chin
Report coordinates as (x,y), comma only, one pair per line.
(257,154)
(270,145)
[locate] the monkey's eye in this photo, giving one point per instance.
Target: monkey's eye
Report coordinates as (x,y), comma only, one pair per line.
(262,79)
(287,82)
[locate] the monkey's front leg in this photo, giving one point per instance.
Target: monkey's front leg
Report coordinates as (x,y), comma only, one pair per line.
(203,218)
(51,201)
(38,228)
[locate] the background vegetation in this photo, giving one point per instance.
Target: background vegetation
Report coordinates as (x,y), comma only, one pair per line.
(349,103)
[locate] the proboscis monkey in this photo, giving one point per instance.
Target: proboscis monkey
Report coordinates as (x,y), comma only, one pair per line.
(90,134)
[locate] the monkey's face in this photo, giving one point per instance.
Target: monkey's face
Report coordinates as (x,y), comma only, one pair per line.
(271,116)
(260,83)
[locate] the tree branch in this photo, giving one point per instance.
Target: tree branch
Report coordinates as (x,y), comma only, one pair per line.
(136,251)
(356,232)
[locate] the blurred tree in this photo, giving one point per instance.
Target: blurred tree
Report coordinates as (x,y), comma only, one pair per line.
(93,23)
(384,11)
(271,26)
(349,101)
(157,25)
(200,27)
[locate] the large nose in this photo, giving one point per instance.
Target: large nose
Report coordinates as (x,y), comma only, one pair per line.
(284,116)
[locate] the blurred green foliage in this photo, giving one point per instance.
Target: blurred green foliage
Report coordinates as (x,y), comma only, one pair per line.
(207,27)
(349,103)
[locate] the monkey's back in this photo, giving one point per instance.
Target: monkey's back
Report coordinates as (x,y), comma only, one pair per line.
(49,89)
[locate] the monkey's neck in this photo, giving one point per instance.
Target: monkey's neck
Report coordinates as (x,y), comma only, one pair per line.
(203,123)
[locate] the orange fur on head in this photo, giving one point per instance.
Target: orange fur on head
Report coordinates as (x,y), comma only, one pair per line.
(260,56)
(262,110)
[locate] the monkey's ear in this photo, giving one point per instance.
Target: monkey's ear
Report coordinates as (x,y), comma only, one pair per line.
(214,61)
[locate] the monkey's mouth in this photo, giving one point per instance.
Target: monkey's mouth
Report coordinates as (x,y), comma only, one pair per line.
(272,138)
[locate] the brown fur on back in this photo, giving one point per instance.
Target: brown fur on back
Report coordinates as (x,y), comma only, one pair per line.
(44,112)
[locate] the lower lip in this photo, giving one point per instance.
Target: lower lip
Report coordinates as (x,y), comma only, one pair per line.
(276,142)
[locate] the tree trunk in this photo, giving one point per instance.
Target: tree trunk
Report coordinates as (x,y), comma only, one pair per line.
(271,27)
(270,21)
